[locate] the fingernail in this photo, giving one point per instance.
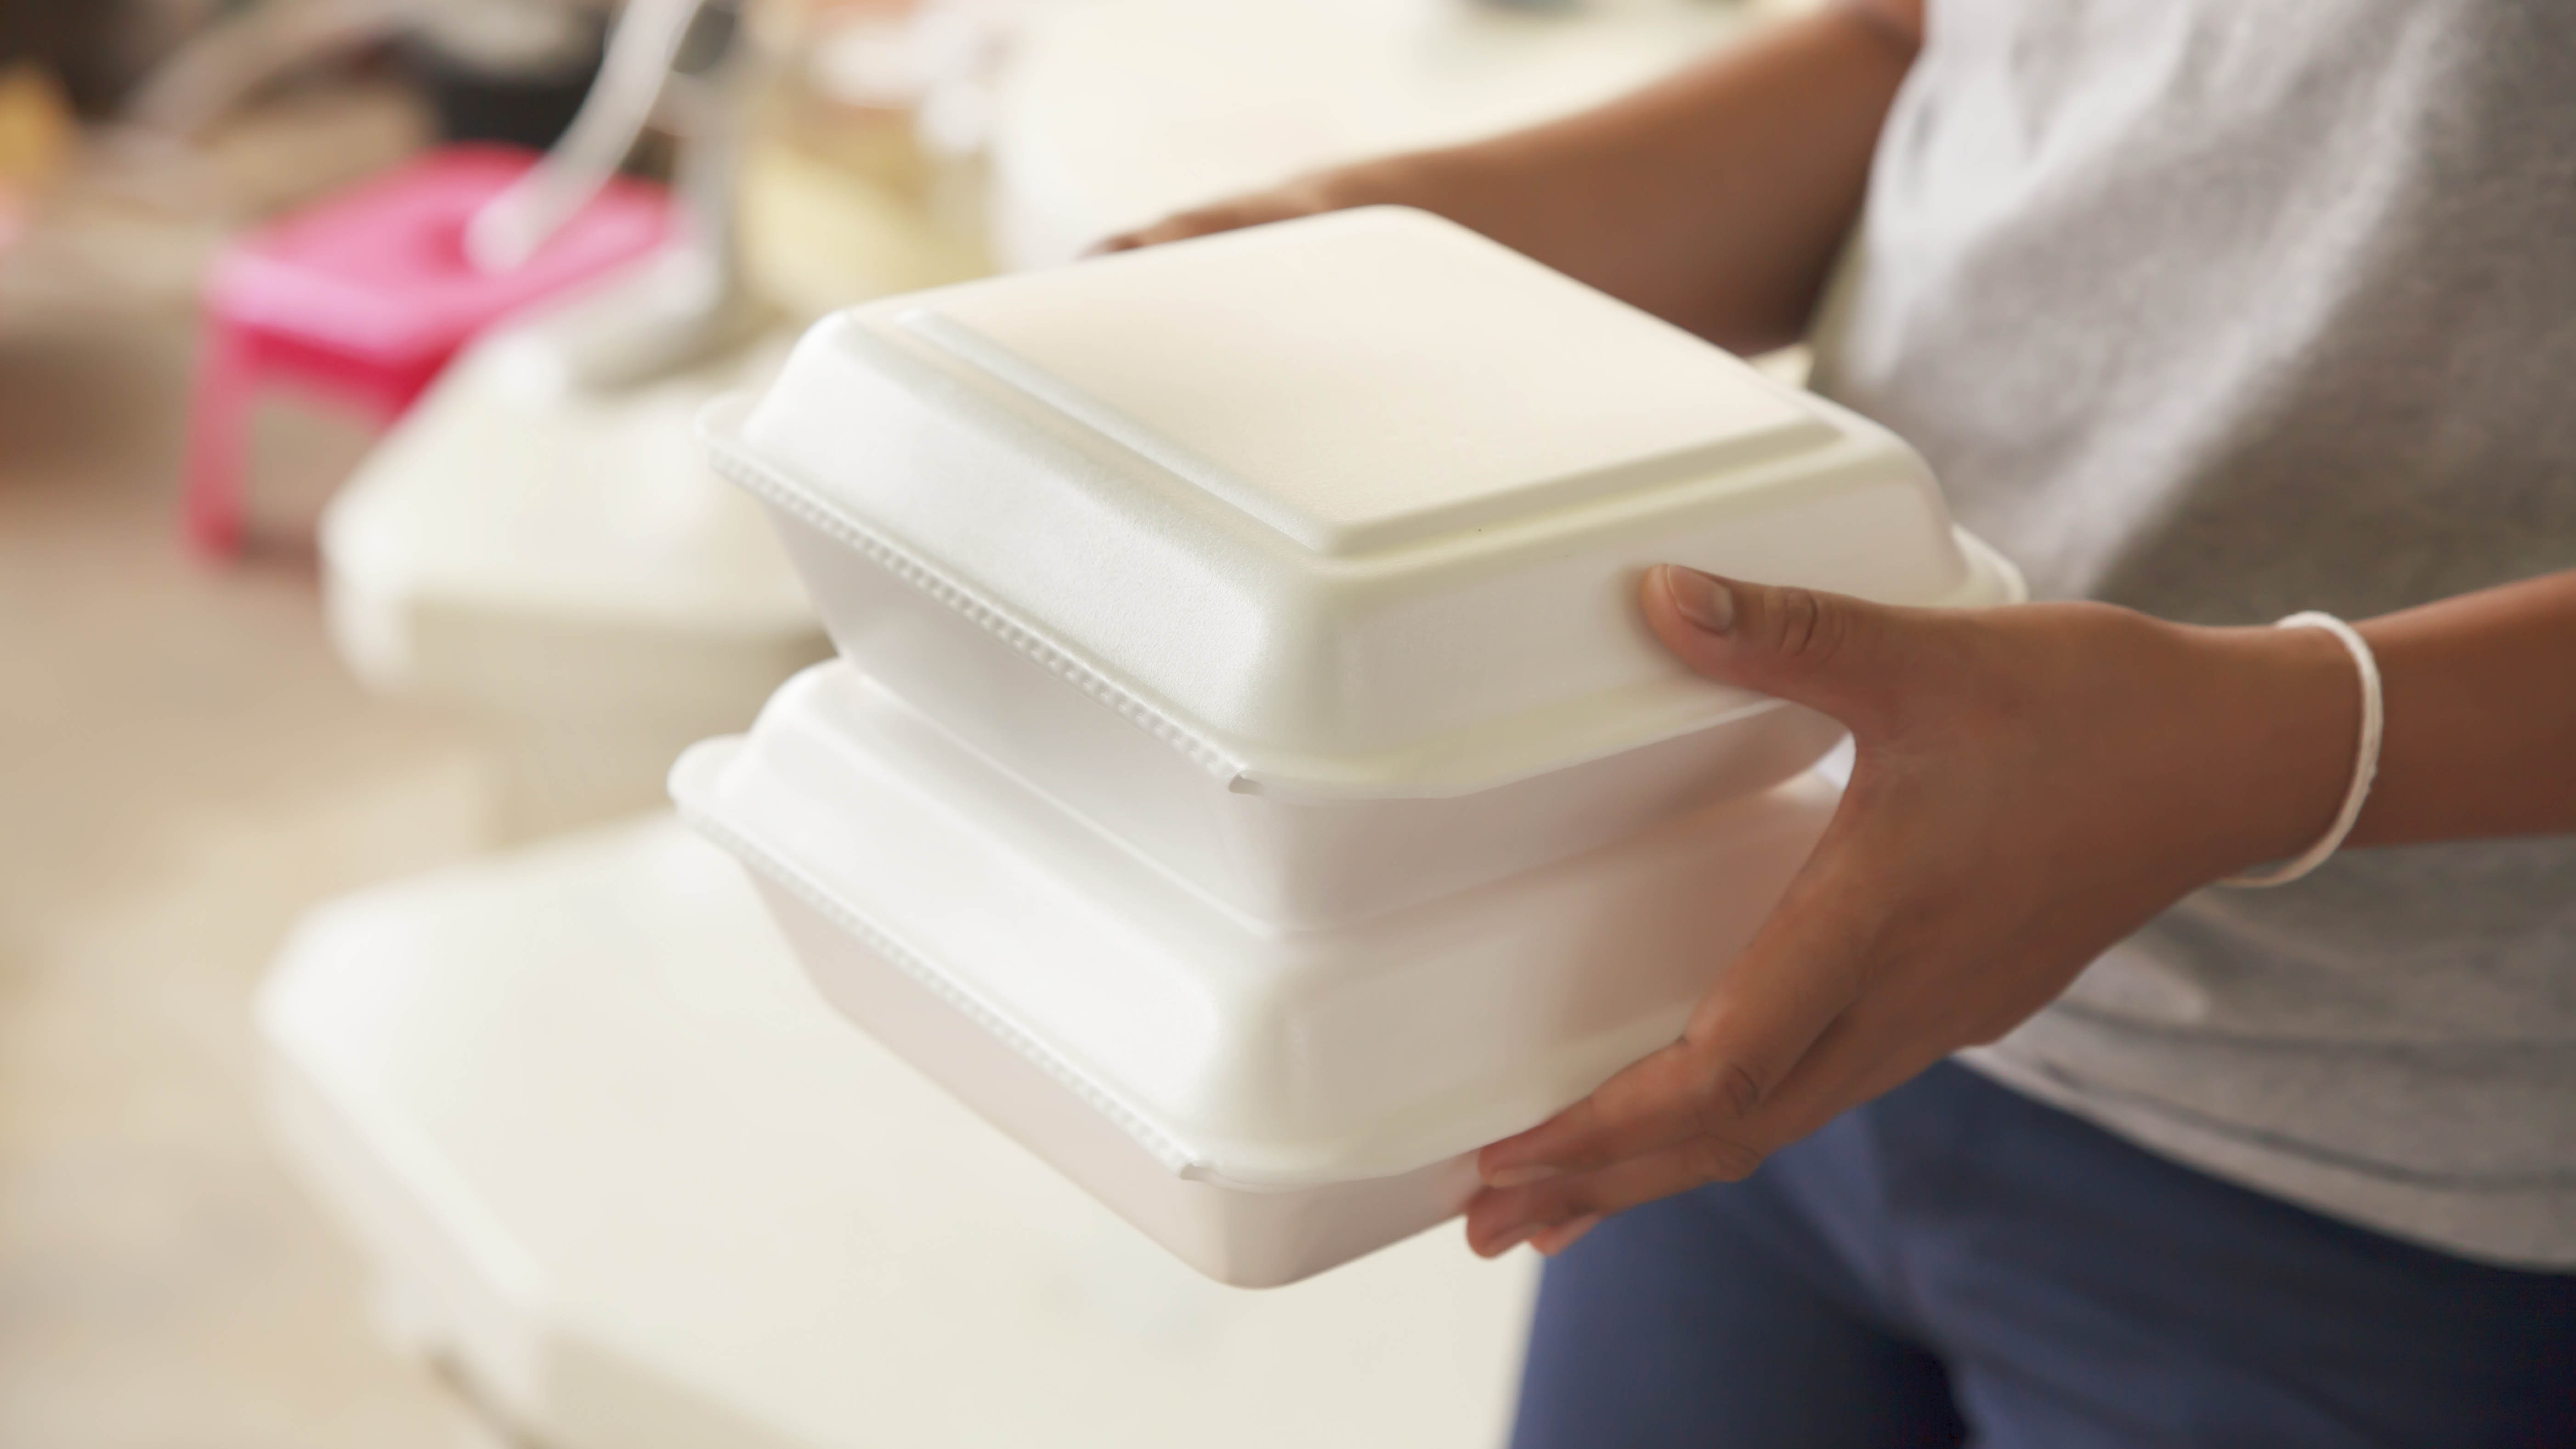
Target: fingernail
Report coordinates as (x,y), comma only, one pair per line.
(1509,1241)
(1701,599)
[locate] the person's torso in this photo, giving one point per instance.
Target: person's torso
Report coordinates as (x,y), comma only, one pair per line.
(2223,311)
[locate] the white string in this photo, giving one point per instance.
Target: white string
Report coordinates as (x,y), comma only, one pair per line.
(2365,762)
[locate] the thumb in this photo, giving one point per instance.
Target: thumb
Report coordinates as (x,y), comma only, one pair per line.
(1833,653)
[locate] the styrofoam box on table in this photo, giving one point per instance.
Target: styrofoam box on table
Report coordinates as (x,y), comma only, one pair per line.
(527,543)
(1305,558)
(617,1165)
(1266,1104)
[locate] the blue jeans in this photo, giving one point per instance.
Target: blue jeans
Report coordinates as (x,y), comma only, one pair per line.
(1958,1264)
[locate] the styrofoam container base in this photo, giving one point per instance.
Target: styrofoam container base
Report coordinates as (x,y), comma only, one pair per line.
(1264,1103)
(1249,1238)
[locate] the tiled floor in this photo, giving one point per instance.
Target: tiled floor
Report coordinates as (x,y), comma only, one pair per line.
(183,766)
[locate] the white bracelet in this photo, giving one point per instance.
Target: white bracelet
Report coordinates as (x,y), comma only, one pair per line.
(2365,761)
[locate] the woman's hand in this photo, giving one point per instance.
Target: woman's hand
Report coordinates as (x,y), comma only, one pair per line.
(1411,180)
(2032,784)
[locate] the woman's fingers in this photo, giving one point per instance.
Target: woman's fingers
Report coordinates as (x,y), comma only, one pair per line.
(1746,1037)
(1231,215)
(1181,227)
(1503,1218)
(1866,1052)
(1650,1105)
(1178,227)
(1563,1236)
(1500,1219)
(1789,1034)
(1845,657)
(1411,180)
(1691,1091)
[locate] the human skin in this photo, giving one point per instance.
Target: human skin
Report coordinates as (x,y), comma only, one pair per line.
(1774,136)
(2032,783)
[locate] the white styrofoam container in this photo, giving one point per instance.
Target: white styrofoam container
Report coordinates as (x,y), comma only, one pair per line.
(1264,1103)
(1305,557)
(523,542)
(556,557)
(620,1171)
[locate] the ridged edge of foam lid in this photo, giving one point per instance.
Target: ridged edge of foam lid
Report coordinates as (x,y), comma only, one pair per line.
(1245,766)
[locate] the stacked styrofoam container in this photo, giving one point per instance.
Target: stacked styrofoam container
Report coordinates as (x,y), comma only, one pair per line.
(1247,778)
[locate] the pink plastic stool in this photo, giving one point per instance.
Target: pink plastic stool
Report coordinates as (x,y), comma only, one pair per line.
(367,295)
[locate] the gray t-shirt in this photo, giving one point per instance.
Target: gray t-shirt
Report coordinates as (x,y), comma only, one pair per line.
(2223,310)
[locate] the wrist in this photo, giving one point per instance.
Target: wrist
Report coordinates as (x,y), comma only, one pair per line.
(2285,706)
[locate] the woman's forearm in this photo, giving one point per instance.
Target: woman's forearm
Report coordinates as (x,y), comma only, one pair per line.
(2481,716)
(1717,199)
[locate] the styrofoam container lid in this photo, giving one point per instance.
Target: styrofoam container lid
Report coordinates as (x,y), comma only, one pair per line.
(1354,505)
